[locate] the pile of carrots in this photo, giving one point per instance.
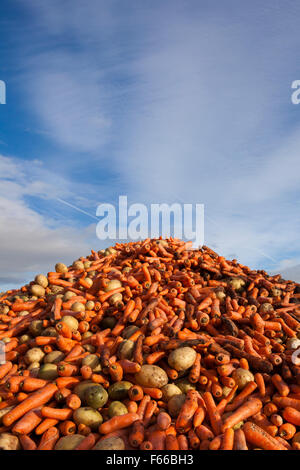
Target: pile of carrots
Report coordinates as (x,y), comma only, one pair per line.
(241,392)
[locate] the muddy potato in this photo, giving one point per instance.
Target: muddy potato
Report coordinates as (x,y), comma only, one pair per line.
(78,307)
(293,343)
(78,265)
(69,442)
(125,349)
(50,331)
(24,339)
(119,390)
(34,355)
(48,372)
(4,309)
(92,360)
(151,376)
(90,305)
(72,322)
(68,295)
(242,377)
(182,358)
(36,327)
(185,385)
(34,368)
(110,443)
(169,391)
(88,416)
(95,396)
(113,284)
(108,322)
(128,331)
(54,357)
(37,290)
(9,442)
(175,404)
(236,283)
(41,280)
(115,299)
(80,388)
(61,268)
(266,308)
(117,408)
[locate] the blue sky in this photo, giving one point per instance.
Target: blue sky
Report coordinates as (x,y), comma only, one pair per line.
(164,101)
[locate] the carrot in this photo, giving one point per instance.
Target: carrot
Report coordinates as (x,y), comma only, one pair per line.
(228,439)
(291,415)
(27,443)
(87,443)
(60,414)
(213,413)
(118,422)
(45,425)
(49,439)
(260,438)
(248,409)
(185,418)
(137,434)
(240,440)
(28,422)
(38,398)
(73,401)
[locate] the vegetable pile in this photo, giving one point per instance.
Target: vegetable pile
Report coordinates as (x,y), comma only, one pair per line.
(151,345)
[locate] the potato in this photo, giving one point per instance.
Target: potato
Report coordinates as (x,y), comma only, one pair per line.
(37,290)
(50,331)
(34,355)
(82,387)
(54,357)
(151,376)
(68,295)
(293,343)
(119,390)
(113,284)
(266,308)
(117,408)
(41,280)
(61,268)
(236,283)
(182,358)
(78,265)
(92,360)
(69,442)
(115,299)
(175,404)
(9,442)
(108,322)
(78,307)
(88,416)
(125,349)
(72,322)
(128,331)
(90,305)
(36,327)
(185,385)
(110,443)
(242,377)
(169,391)
(48,372)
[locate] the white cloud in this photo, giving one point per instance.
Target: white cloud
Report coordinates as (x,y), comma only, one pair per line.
(31,242)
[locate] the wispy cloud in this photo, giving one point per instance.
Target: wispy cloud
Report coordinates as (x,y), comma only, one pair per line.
(173,101)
